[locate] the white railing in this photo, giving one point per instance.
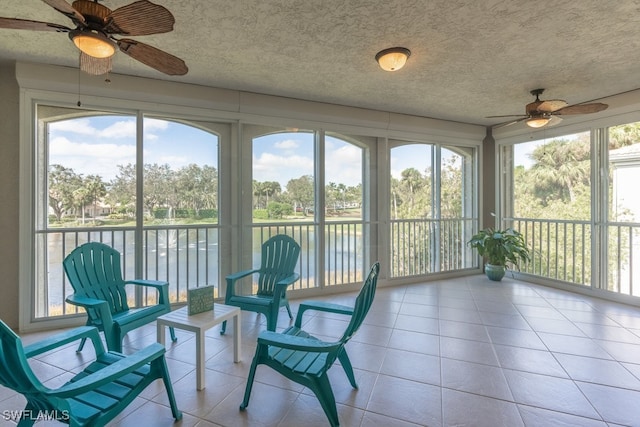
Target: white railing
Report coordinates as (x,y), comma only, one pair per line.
(563,250)
(427,246)
(187,255)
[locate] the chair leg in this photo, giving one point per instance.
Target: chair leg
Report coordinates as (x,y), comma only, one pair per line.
(289,311)
(172,332)
(252,374)
(346,365)
(223,328)
(324,393)
(83,340)
(272,322)
(177,414)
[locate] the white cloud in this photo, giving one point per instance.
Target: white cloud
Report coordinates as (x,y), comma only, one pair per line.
(120,129)
(79,126)
(287,144)
(155,124)
(344,165)
(91,159)
(271,167)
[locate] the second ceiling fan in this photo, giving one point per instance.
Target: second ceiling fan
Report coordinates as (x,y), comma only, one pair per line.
(541,113)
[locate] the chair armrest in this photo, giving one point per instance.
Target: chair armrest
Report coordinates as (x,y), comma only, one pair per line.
(281,286)
(110,373)
(322,306)
(158,284)
(288,280)
(232,278)
(102,307)
(293,342)
(161,286)
(240,274)
(64,338)
(86,302)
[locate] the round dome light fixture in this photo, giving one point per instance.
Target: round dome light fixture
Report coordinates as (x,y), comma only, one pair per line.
(393,59)
(93,43)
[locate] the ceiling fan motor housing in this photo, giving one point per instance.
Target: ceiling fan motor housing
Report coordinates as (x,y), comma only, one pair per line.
(532,108)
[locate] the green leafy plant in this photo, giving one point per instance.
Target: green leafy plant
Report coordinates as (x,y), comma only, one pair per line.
(500,247)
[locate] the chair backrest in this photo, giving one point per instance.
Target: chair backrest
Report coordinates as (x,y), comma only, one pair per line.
(279,258)
(94,271)
(15,372)
(363,302)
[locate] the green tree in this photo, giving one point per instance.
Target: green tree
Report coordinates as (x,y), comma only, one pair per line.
(122,189)
(451,189)
(279,210)
(257,194)
(271,188)
(196,187)
(560,167)
(301,192)
(331,195)
(396,198)
(411,195)
(63,182)
(623,135)
(95,190)
(159,187)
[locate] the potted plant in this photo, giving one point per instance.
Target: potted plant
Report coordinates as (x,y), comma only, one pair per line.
(500,248)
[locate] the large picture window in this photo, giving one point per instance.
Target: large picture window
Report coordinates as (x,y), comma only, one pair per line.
(432,208)
(573,197)
(146,186)
(552,205)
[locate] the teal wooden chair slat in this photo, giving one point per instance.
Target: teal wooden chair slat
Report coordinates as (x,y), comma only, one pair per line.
(305,359)
(92,397)
(279,257)
(94,271)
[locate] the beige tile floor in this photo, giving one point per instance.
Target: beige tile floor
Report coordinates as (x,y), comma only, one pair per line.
(461,352)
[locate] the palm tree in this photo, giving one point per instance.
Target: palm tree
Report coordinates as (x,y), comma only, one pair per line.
(561,164)
(413,180)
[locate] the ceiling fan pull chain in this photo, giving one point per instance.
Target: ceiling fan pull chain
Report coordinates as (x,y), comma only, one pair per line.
(79,75)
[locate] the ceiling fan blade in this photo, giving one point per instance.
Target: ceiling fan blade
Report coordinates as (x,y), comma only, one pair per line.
(551,105)
(505,124)
(153,57)
(582,109)
(66,9)
(25,24)
(554,120)
(508,115)
(140,18)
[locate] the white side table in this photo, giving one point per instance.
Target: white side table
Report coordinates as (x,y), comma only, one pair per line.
(199,323)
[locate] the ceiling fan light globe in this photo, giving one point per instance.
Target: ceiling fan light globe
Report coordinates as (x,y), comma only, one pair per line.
(93,44)
(393,59)
(537,122)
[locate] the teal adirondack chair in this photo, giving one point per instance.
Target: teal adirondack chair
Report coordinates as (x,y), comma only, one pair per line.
(277,271)
(94,396)
(94,271)
(304,358)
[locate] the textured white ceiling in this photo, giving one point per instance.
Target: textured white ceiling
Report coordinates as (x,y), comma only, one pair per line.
(470,59)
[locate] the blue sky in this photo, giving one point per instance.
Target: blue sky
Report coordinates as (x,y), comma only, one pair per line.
(97,145)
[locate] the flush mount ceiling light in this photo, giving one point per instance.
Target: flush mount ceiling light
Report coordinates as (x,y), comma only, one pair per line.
(538,122)
(93,43)
(393,59)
